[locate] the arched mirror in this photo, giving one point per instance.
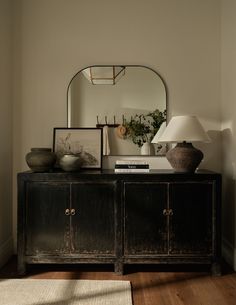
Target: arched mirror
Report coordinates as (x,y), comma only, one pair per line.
(116,96)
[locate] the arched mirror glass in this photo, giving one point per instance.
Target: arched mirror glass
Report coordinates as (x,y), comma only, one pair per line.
(117,96)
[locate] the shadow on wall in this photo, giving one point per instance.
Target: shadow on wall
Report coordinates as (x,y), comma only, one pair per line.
(219,156)
(211,151)
(228,196)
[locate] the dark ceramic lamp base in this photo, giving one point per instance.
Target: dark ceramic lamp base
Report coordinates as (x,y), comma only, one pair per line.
(184,158)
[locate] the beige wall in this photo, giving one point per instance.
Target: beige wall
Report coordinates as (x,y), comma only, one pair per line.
(228,99)
(179,39)
(5,130)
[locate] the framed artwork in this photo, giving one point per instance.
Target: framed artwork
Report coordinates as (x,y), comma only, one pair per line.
(84,142)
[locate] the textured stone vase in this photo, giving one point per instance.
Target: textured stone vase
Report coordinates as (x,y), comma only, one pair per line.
(184,157)
(40,159)
(70,163)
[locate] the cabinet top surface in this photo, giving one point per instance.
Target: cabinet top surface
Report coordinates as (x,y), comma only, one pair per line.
(109,173)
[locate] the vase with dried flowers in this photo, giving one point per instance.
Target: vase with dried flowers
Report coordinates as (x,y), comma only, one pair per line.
(142,127)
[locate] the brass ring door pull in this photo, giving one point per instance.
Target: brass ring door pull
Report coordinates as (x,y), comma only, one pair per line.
(72,212)
(67,212)
(165,212)
(168,212)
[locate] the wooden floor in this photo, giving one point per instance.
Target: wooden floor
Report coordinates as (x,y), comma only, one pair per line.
(151,285)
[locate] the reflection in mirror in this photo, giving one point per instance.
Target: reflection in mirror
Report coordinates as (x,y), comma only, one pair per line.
(104,75)
(114,95)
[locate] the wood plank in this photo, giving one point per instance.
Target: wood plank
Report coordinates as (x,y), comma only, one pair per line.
(151,284)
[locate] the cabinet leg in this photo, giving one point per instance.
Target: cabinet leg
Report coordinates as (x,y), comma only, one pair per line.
(21,267)
(216,269)
(119,268)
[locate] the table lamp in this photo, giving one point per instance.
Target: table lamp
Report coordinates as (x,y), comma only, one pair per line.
(183,130)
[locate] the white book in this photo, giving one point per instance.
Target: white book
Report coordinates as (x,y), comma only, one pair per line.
(131,162)
(131,170)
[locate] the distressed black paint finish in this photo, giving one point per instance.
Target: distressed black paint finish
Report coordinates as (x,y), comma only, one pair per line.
(191,223)
(102,217)
(145,227)
(93,228)
(47,226)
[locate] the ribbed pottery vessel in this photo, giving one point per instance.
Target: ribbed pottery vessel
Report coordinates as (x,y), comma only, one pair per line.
(40,159)
(70,163)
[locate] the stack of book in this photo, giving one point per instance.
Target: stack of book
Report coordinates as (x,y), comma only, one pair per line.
(131,166)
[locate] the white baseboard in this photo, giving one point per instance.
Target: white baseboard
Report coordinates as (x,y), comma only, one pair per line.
(229,253)
(6,251)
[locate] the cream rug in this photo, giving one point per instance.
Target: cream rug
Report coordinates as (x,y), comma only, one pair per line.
(64,292)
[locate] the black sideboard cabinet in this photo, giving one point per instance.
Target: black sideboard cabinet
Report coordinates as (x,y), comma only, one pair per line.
(104,217)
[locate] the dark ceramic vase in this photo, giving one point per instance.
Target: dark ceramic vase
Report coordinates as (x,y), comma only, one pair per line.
(40,159)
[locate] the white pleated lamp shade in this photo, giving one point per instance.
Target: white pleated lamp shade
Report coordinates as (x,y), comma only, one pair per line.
(184,128)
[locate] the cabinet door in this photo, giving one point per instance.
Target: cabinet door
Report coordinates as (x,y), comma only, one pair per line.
(93,225)
(191,222)
(145,225)
(47,226)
